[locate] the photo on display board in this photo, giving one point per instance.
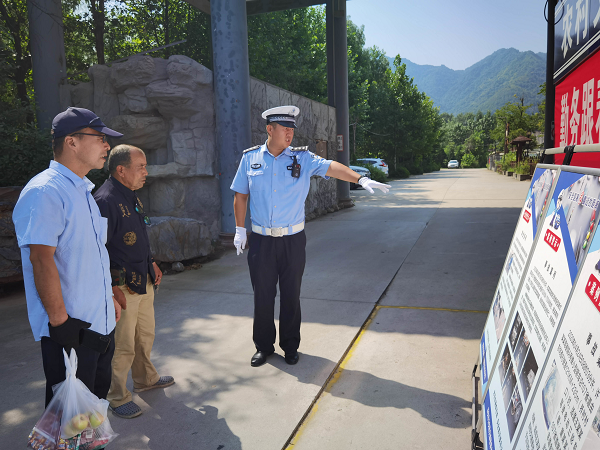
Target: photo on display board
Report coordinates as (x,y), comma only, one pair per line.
(499,317)
(551,394)
(521,350)
(540,190)
(527,375)
(579,202)
(505,363)
(592,440)
(509,386)
(515,332)
(514,412)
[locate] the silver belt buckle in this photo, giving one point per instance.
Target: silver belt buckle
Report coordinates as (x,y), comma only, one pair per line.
(276,232)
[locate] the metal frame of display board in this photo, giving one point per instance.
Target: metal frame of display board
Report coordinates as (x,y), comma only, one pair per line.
(475,404)
(569,150)
(571,169)
(584,171)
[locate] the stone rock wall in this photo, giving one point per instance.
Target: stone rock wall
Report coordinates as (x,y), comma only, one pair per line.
(175,239)
(165,107)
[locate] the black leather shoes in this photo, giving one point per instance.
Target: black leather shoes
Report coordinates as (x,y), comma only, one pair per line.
(259,358)
(292,358)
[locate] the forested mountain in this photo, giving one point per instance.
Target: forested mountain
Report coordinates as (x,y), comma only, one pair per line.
(486,85)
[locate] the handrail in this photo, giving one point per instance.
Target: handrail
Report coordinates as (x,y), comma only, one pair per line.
(585,148)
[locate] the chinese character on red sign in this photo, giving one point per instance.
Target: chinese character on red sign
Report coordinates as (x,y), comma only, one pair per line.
(592,289)
(576,108)
(552,240)
(527,216)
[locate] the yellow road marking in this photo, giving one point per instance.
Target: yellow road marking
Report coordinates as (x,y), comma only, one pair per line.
(433,309)
(337,371)
(331,380)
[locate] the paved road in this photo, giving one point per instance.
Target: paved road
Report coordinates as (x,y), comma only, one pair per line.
(394,300)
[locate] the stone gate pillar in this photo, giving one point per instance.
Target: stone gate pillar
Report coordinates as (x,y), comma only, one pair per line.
(47,57)
(232,97)
(340,56)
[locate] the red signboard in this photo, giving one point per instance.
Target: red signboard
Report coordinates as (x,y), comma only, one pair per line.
(526,216)
(577,112)
(592,289)
(552,240)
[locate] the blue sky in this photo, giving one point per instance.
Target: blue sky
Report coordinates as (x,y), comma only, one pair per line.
(455,33)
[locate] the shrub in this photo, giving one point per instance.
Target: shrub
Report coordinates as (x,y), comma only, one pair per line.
(430,167)
(400,172)
(413,169)
(506,160)
(377,174)
(24,150)
(523,168)
(468,161)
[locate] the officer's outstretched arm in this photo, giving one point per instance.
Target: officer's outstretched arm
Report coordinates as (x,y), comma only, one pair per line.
(344,173)
(240,203)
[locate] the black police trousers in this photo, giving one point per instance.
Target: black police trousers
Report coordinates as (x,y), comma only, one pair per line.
(272,260)
(93,368)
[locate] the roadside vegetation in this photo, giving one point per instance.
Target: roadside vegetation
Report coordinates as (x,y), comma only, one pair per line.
(390,118)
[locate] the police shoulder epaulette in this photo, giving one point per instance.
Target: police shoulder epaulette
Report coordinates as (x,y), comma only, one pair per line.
(300,149)
(256,147)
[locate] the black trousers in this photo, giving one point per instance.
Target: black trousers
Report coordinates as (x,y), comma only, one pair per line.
(93,368)
(272,260)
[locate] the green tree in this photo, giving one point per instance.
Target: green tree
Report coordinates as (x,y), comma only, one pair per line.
(16,64)
(512,120)
(287,49)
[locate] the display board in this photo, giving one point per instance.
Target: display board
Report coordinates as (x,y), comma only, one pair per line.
(514,265)
(565,408)
(556,257)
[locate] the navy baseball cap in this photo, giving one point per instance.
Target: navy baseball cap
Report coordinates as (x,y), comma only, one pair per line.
(75,119)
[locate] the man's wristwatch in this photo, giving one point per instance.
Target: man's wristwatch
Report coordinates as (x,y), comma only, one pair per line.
(360,178)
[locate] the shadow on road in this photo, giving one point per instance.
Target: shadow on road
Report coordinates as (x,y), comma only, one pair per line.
(371,390)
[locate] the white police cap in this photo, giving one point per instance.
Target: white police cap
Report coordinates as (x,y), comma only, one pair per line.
(283,115)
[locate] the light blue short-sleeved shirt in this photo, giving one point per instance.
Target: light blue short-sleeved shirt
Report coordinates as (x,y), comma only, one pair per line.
(56,208)
(276,198)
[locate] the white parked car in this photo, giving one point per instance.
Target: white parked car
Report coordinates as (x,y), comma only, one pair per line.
(453,164)
(361,171)
(377,162)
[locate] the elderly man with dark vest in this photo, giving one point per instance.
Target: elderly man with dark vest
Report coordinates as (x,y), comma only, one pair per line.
(134,274)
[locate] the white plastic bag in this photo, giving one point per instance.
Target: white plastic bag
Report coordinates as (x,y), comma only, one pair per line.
(74,419)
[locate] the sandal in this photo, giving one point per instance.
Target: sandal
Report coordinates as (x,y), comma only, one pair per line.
(128,410)
(161,383)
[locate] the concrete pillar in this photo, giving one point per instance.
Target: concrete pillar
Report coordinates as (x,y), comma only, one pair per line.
(232,97)
(341,92)
(47,57)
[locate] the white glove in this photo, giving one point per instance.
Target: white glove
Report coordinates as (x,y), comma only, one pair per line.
(240,239)
(369,184)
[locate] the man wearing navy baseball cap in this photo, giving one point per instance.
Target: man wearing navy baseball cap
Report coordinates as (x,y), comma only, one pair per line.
(66,267)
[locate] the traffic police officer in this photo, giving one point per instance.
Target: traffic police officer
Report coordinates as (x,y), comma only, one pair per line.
(276,177)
